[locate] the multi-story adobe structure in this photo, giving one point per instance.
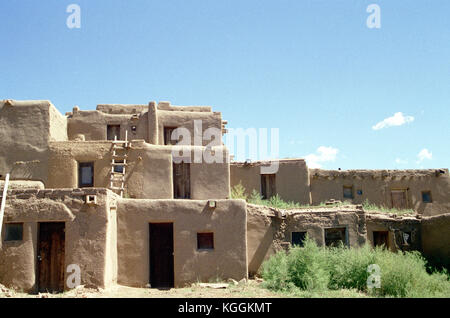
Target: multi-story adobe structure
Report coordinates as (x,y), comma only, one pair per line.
(106,194)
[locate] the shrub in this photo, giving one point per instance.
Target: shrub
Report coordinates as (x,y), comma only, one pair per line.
(238,192)
(315,268)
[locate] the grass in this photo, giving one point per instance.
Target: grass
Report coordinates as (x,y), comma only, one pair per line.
(314,270)
(239,192)
(367,206)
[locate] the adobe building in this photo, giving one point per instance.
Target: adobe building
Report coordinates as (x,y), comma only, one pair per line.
(112,193)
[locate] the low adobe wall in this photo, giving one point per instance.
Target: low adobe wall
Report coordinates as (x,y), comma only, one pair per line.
(376,186)
(291,178)
(436,239)
(269,230)
(396,226)
(88,231)
(227,221)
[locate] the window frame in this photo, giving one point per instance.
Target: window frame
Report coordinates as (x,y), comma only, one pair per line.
(209,235)
(80,166)
(7,225)
(352,196)
(429,194)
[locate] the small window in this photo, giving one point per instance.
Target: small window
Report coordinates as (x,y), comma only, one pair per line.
(348,192)
(360,192)
(112,132)
(205,241)
(298,238)
(169,137)
(406,238)
(426,197)
(14,231)
(118,168)
(335,236)
(86,174)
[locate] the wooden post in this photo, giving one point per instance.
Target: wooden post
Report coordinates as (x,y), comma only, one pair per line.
(2,207)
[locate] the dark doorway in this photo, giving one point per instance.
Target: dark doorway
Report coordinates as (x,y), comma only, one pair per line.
(51,257)
(268,187)
(161,255)
(381,238)
(168,131)
(181,180)
(336,236)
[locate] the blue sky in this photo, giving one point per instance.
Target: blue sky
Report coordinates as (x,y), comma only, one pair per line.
(313,69)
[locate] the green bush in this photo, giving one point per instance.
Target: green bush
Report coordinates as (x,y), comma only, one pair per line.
(314,268)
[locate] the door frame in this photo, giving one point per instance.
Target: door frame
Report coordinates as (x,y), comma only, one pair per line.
(150,252)
(38,262)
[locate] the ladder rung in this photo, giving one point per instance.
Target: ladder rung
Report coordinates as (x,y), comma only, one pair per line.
(120,141)
(120,156)
(119,164)
(116,188)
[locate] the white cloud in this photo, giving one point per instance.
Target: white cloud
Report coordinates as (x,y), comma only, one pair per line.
(401,161)
(424,154)
(323,154)
(397,120)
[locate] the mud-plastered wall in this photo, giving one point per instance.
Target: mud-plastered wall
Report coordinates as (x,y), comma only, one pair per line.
(436,239)
(87,227)
(227,221)
(291,178)
(270,230)
(376,186)
(24,134)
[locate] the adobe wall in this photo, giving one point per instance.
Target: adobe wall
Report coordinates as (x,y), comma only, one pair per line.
(87,228)
(292,178)
(149,121)
(376,186)
(270,230)
(149,174)
(26,127)
(227,221)
(395,226)
(436,238)
(93,123)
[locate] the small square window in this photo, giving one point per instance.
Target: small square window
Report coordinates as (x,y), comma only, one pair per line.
(298,238)
(426,197)
(14,231)
(205,241)
(118,168)
(348,192)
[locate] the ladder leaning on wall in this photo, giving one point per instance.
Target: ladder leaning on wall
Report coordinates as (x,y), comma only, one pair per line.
(119,159)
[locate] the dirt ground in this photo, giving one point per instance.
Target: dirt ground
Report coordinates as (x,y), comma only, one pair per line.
(249,289)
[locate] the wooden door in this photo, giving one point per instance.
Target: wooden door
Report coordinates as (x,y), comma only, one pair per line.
(161,255)
(399,199)
(51,244)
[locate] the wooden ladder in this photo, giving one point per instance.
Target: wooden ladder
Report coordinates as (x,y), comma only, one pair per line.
(119,153)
